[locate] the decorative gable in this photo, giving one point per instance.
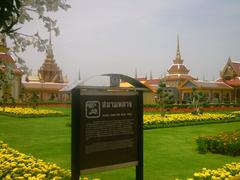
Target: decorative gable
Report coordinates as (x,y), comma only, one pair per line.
(228,72)
(231,70)
(189,84)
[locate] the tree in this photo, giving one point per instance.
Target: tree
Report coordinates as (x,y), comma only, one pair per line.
(162,97)
(6,77)
(9,13)
(197,98)
(34,100)
(15,13)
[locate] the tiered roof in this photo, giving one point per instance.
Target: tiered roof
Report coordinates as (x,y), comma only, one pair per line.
(178,70)
(49,75)
(205,85)
(6,58)
(182,77)
(49,72)
(230,70)
(233,82)
(236,67)
(231,73)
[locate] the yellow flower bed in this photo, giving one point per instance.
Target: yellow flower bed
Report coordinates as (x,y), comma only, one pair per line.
(227,172)
(236,113)
(170,120)
(15,165)
(29,112)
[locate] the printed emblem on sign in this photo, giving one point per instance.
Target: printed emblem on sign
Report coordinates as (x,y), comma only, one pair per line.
(92,109)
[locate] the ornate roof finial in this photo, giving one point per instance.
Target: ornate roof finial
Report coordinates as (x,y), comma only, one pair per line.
(135,76)
(229,59)
(79,75)
(178,59)
(151,77)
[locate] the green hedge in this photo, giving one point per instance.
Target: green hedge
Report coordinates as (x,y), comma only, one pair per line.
(31,104)
(187,123)
(32,115)
(190,105)
(168,105)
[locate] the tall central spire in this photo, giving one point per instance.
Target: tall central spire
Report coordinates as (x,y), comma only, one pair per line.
(178,59)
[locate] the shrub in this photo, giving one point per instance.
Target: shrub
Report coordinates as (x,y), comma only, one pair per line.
(195,112)
(223,143)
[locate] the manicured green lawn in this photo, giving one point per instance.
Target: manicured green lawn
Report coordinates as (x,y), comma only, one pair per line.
(168,152)
(45,138)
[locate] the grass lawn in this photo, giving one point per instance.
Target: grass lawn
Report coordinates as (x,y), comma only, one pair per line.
(168,152)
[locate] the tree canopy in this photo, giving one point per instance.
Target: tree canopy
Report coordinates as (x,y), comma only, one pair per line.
(15,13)
(9,13)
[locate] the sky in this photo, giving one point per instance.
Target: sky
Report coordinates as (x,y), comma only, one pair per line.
(120,36)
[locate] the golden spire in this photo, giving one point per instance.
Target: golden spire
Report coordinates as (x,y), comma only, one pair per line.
(178,59)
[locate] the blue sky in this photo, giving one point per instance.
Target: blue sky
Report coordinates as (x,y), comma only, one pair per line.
(112,36)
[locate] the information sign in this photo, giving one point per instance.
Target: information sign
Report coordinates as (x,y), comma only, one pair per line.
(108,130)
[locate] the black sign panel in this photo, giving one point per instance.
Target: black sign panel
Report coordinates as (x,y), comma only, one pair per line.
(108,130)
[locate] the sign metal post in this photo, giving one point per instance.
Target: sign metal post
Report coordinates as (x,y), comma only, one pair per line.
(75,124)
(139,167)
